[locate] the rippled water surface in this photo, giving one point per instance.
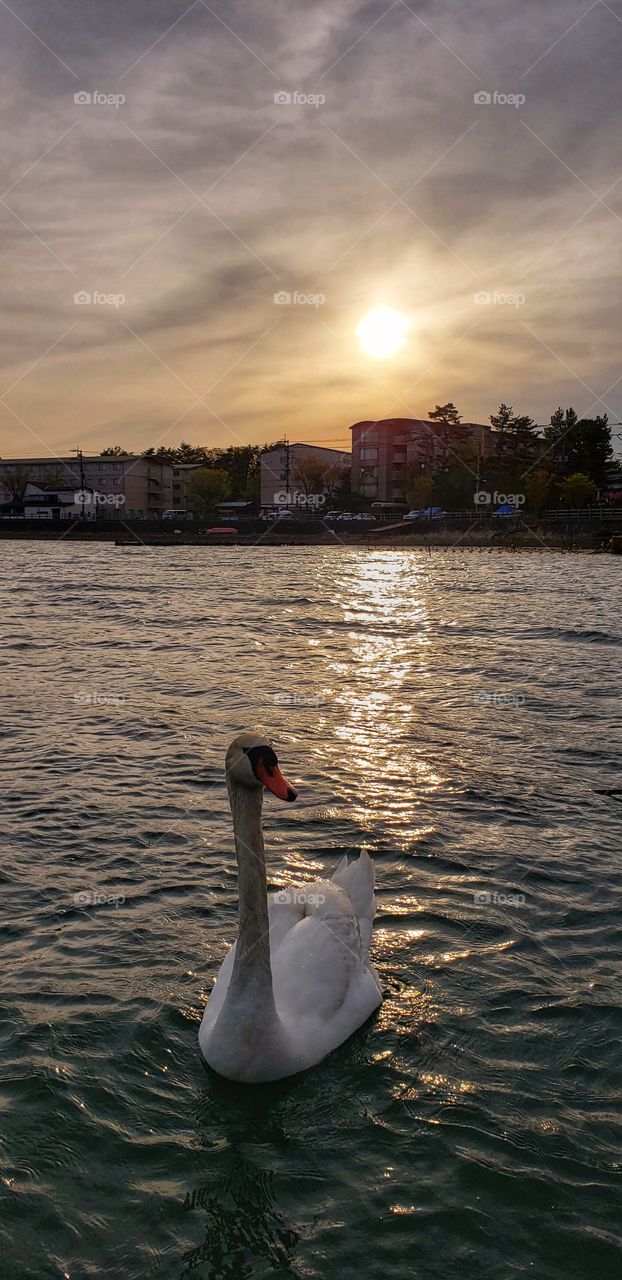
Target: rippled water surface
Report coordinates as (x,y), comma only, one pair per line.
(457,713)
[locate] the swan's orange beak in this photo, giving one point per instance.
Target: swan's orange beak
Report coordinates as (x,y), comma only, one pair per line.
(273,779)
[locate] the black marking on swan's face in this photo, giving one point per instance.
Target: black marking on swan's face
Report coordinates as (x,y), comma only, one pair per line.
(262,753)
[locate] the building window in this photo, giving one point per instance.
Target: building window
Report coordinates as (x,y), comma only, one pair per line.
(369,454)
(369,489)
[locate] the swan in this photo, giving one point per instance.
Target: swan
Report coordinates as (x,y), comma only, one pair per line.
(298,981)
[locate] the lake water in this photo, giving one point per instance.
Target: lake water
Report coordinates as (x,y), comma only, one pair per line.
(455,712)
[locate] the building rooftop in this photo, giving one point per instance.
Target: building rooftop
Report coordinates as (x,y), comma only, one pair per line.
(394,422)
(409,422)
(72,458)
(305,444)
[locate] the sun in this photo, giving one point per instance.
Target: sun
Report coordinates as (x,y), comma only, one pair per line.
(382,332)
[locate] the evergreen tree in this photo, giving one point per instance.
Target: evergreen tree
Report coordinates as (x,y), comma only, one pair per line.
(502,418)
(518,433)
(579,446)
(589,449)
(445,414)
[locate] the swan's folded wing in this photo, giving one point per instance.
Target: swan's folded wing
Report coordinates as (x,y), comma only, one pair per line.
(315,965)
(285,909)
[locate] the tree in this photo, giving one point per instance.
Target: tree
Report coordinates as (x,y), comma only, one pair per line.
(562,423)
(578,490)
(502,418)
(15,481)
(341,492)
(557,423)
(522,438)
(445,414)
(539,488)
(518,432)
(522,424)
(206,487)
(309,475)
(580,446)
(192,453)
(115,451)
(183,452)
(589,448)
(419,487)
(242,464)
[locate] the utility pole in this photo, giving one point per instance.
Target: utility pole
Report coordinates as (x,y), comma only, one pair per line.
(478,478)
(80,457)
(287,470)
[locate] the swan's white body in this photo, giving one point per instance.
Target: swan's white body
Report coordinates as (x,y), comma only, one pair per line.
(298,981)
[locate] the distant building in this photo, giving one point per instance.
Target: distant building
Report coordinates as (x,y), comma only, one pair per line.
(279,467)
(182,472)
(129,486)
(382,452)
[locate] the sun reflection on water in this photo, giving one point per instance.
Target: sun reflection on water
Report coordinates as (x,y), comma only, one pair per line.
(389,656)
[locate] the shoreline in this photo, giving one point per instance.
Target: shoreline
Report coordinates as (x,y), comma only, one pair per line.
(443,539)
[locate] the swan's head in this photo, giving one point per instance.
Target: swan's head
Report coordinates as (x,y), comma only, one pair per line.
(251,762)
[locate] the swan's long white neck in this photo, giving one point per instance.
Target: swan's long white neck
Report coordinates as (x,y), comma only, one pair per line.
(252,972)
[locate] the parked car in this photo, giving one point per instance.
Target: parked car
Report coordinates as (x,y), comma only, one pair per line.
(176,514)
(433,513)
(333,515)
(413,515)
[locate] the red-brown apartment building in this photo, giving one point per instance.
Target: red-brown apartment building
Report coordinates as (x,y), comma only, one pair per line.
(383,450)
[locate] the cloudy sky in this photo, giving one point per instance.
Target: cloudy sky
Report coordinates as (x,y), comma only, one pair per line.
(184,209)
